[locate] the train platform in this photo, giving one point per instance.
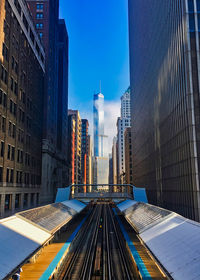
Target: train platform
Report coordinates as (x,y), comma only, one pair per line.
(172,240)
(147,266)
(25,234)
(42,265)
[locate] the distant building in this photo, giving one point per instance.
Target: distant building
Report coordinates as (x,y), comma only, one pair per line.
(122,123)
(84,151)
(22,70)
(98,113)
(89,161)
(110,179)
(101,167)
(71,149)
(74,114)
(165,88)
(100,142)
(128,157)
(114,159)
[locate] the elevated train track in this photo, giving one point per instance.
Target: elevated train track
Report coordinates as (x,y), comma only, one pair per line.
(98,251)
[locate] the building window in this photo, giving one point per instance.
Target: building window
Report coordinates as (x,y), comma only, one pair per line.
(198,5)
(39,15)
(3,119)
(2,148)
(39,25)
(13,154)
(191,5)
(3,98)
(41,35)
(39,6)
(9,148)
(25,200)
(7,175)
(191,22)
(8,202)
(4,75)
(11,175)
(17,201)
(5,52)
(32,199)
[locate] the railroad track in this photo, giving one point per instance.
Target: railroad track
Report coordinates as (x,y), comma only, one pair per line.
(99,251)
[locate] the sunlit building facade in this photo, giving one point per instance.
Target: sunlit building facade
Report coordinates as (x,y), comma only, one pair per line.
(76,120)
(22,69)
(164,76)
(122,123)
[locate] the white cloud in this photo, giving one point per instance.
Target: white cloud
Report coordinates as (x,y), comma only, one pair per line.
(112,112)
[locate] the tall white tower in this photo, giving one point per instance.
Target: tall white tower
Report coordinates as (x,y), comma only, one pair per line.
(100,161)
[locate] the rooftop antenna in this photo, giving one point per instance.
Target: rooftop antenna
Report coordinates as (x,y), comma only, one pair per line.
(100,85)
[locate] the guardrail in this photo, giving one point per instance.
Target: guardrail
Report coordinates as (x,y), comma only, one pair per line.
(102,195)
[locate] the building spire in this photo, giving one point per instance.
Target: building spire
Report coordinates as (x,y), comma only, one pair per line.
(100,85)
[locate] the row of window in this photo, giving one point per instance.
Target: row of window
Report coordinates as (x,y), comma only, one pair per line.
(18,200)
(21,177)
(39,15)
(14,63)
(29,161)
(12,127)
(191,5)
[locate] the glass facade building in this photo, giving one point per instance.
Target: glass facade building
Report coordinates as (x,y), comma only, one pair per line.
(98,113)
(164,74)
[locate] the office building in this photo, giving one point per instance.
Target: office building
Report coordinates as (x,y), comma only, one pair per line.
(71,149)
(114,159)
(110,178)
(164,76)
(122,123)
(53,35)
(74,114)
(62,109)
(22,70)
(89,162)
(128,156)
(101,171)
(85,153)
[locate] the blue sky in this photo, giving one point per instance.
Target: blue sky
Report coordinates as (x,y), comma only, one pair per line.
(98,44)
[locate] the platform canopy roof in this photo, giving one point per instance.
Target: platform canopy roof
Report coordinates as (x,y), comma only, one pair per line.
(23,234)
(172,239)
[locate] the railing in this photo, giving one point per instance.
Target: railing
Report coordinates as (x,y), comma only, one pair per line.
(102,191)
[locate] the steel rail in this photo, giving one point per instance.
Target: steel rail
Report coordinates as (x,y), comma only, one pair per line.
(86,272)
(72,260)
(122,253)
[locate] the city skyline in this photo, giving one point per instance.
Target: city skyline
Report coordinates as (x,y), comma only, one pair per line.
(99,183)
(103,55)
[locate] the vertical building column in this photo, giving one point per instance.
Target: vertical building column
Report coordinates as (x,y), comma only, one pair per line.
(2,209)
(21,201)
(13,203)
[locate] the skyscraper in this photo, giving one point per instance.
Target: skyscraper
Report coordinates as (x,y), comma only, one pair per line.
(76,119)
(164,76)
(84,151)
(54,37)
(99,137)
(22,70)
(101,161)
(122,123)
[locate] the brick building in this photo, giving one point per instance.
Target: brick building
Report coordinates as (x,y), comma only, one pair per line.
(22,61)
